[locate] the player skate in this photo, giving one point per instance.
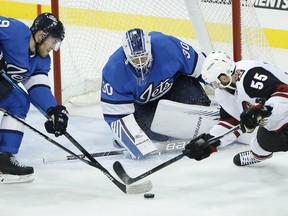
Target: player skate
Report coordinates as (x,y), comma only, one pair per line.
(11,171)
(248,158)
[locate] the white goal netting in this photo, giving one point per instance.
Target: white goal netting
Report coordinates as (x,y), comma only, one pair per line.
(94,30)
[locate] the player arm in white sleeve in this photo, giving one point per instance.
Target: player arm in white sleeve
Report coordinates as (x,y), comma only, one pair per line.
(225,123)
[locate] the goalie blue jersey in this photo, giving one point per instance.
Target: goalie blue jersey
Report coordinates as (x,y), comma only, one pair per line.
(22,66)
(171,58)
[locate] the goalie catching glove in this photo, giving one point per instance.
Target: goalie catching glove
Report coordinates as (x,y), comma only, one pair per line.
(197,148)
(58,122)
(255,115)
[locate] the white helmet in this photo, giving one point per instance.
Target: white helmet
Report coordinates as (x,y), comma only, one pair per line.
(137,49)
(215,64)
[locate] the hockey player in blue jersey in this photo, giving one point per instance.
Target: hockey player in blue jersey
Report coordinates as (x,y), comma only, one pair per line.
(24,57)
(147,68)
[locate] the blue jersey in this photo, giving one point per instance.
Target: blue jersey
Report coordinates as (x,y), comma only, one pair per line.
(22,65)
(171,57)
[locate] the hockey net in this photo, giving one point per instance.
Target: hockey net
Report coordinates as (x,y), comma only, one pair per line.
(95,28)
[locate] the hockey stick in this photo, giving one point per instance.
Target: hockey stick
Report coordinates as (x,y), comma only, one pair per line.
(128,189)
(71,157)
(163,147)
(69,137)
(120,171)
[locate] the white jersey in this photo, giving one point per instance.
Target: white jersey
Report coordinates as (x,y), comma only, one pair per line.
(257,79)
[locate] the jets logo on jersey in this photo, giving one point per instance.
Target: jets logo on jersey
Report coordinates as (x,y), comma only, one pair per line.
(151,93)
(16,73)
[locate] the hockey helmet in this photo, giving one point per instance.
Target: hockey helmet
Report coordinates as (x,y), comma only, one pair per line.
(50,25)
(137,49)
(215,64)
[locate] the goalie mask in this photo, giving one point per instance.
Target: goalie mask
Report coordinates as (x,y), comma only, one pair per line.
(137,49)
(50,25)
(216,64)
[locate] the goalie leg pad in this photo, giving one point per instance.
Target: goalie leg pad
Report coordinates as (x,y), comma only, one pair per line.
(132,137)
(144,115)
(183,121)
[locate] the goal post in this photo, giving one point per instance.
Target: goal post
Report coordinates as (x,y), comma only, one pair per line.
(236,29)
(57,60)
(95,28)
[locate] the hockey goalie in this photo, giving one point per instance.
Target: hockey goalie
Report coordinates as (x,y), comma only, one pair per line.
(148,67)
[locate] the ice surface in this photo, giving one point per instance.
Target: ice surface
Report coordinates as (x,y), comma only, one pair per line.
(211,187)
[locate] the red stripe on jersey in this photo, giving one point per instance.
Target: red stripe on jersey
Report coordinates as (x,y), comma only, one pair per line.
(281,88)
(284,127)
(231,121)
(278,94)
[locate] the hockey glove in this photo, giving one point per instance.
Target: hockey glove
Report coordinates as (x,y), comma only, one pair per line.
(254,116)
(59,120)
(196,150)
(3,64)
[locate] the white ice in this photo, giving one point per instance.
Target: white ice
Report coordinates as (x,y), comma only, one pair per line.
(210,187)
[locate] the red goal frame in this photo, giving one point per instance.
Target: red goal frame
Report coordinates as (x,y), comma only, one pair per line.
(57,60)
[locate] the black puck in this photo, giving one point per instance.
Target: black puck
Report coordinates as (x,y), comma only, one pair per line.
(149,195)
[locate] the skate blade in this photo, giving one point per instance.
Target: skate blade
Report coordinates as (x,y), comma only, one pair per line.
(15,179)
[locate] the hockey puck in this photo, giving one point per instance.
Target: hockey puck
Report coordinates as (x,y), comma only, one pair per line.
(149,195)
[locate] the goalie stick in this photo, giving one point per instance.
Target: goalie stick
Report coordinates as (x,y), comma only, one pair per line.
(128,189)
(122,174)
(72,157)
(163,147)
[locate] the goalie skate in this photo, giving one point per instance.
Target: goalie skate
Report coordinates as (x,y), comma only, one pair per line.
(11,171)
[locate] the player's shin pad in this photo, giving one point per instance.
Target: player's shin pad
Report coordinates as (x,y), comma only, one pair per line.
(132,137)
(15,179)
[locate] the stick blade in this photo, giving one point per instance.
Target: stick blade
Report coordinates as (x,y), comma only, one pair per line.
(139,188)
(131,189)
(121,173)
